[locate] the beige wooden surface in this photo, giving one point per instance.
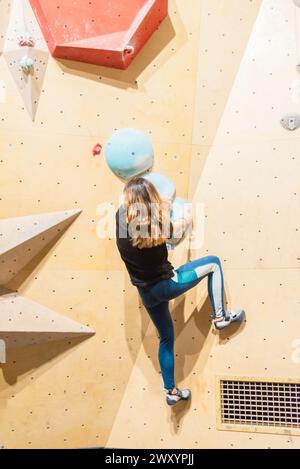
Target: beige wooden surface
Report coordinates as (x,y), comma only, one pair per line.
(209,88)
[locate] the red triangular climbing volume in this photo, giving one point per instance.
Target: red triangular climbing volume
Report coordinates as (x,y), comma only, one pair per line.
(99,32)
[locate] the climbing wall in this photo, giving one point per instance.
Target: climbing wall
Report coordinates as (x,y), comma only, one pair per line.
(209,89)
(66,393)
(244,170)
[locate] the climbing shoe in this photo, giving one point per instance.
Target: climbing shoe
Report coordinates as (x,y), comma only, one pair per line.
(181,395)
(229,318)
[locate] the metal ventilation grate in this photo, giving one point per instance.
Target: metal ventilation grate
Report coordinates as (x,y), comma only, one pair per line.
(272,405)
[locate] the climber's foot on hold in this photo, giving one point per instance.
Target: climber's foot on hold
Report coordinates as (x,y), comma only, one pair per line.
(229,318)
(177,395)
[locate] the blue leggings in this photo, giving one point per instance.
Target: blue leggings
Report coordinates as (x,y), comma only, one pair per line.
(156,301)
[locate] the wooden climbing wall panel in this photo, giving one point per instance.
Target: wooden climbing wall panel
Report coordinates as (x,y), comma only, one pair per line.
(209,88)
(243,170)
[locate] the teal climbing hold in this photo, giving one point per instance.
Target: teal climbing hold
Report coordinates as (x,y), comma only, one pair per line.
(179,209)
(164,186)
(26,64)
(129,152)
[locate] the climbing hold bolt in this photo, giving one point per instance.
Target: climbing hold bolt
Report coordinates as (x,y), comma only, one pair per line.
(129,50)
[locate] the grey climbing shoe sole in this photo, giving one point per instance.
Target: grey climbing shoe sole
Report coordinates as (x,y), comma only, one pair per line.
(181,395)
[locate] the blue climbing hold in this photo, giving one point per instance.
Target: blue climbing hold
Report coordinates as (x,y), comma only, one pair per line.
(164,186)
(128,153)
(179,209)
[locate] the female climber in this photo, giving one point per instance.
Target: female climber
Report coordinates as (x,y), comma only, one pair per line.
(143,230)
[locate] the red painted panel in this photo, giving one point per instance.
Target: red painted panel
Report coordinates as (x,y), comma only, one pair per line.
(102,32)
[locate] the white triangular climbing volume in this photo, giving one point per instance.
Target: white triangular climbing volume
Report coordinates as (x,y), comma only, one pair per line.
(22,238)
(22,24)
(22,321)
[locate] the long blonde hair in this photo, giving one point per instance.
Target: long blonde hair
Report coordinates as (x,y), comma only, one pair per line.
(148,216)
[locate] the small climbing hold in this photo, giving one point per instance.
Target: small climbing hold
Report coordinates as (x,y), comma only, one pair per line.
(97,149)
(129,50)
(291,121)
(26,40)
(26,64)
